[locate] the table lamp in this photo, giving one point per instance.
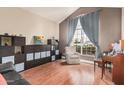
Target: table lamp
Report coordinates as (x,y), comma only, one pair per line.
(122,45)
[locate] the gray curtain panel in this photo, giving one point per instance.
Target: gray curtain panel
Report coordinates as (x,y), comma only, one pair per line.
(72,27)
(90,24)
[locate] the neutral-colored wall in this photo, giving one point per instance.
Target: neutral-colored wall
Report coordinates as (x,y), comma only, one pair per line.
(63,31)
(18,21)
(122,33)
(110,26)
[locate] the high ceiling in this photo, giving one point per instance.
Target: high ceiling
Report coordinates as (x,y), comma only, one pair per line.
(56,14)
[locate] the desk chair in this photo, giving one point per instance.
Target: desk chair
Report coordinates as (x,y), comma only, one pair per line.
(102,64)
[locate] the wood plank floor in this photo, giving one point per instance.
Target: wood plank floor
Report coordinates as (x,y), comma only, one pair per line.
(59,73)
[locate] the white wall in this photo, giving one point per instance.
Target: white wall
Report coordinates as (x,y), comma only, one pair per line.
(122,32)
(18,21)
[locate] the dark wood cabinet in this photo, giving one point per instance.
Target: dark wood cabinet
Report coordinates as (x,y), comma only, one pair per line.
(118,69)
(26,56)
(11,49)
(37,48)
(6,51)
(48,48)
(54,49)
(6,40)
(29,64)
(52,42)
(57,57)
(48,59)
(18,41)
(52,52)
(39,53)
(19,58)
(43,48)
(28,49)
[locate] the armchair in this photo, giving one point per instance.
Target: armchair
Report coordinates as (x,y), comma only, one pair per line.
(72,57)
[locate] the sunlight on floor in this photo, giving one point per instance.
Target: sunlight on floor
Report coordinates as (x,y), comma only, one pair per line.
(86,61)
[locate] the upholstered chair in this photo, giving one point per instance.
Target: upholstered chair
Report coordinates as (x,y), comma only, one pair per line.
(72,57)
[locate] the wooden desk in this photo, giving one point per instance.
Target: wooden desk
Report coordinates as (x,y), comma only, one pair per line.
(118,67)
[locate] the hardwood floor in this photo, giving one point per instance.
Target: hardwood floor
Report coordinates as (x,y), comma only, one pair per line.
(59,73)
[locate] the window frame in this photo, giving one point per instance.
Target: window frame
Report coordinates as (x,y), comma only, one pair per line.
(78,35)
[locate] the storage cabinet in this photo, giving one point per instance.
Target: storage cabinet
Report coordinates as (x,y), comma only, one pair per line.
(6,51)
(118,69)
(29,64)
(37,55)
(19,67)
(18,41)
(19,58)
(12,50)
(26,56)
(8,59)
(54,49)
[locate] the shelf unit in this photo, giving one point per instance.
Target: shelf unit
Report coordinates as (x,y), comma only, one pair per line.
(55,55)
(36,55)
(11,49)
(26,56)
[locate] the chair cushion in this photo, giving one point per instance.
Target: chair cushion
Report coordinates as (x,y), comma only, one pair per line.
(70,50)
(74,56)
(6,67)
(2,80)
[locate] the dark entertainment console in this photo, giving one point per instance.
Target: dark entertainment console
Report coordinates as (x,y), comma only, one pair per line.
(13,48)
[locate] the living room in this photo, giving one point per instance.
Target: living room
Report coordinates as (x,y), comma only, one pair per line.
(35,42)
(61,46)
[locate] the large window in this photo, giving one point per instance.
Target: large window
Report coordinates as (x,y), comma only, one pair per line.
(82,42)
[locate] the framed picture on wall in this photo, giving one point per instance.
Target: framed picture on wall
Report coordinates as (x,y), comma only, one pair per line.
(6,41)
(38,40)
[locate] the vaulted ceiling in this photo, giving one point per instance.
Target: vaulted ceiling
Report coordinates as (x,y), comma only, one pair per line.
(56,14)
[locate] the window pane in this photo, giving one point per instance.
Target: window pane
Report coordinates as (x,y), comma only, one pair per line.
(79,31)
(81,38)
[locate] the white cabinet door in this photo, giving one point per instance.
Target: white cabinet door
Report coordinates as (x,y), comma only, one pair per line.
(43,54)
(29,56)
(52,47)
(19,67)
(53,58)
(8,59)
(48,53)
(37,55)
(57,52)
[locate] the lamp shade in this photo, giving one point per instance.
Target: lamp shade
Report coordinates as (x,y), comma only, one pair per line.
(122,44)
